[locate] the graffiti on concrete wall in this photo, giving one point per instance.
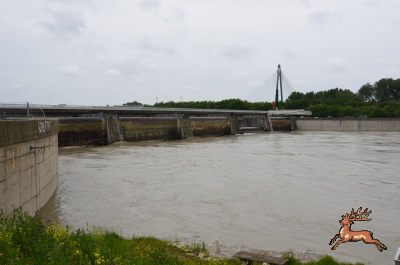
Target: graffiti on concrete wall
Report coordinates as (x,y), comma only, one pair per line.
(44,126)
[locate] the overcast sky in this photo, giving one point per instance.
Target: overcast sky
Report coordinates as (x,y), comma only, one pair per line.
(109,52)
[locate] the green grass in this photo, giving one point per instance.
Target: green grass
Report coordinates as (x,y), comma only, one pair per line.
(25,240)
(197,248)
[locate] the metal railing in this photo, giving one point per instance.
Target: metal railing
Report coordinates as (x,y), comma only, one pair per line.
(38,110)
(31,110)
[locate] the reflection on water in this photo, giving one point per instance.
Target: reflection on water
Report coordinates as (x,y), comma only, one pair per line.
(275,191)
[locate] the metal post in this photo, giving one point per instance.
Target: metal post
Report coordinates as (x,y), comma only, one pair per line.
(27,110)
(280,78)
(277,91)
(397,257)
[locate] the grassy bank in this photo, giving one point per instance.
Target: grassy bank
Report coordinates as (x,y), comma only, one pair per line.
(25,240)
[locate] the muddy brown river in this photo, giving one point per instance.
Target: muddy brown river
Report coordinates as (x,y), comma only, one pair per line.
(270,191)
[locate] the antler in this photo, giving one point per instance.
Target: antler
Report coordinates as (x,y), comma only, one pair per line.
(358,216)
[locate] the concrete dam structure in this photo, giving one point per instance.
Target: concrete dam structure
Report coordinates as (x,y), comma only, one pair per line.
(103,131)
(28,163)
(91,125)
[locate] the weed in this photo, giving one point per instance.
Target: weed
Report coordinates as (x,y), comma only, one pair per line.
(218,249)
(197,248)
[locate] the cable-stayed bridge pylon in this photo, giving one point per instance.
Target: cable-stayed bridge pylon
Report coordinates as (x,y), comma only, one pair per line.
(276,89)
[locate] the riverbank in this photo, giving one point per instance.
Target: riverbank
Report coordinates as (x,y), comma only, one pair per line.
(26,240)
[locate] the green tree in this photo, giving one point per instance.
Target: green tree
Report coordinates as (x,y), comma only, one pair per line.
(387,89)
(367,92)
(382,99)
(319,110)
(346,111)
(296,96)
(133,103)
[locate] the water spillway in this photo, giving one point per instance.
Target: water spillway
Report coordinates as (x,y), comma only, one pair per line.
(104,131)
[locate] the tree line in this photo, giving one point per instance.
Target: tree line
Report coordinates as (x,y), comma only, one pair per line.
(381,99)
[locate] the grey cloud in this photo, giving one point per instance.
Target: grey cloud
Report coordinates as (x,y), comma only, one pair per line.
(169,13)
(237,52)
(18,88)
(72,70)
(373,3)
(64,23)
(239,76)
(138,79)
(305,2)
(337,66)
(289,54)
(149,5)
(190,88)
(200,51)
(146,45)
(112,72)
(321,17)
(173,14)
(17,85)
(148,64)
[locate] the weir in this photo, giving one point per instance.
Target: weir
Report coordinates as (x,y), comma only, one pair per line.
(106,125)
(103,131)
(99,125)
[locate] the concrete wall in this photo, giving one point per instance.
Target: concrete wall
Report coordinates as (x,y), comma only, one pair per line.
(82,131)
(102,131)
(208,126)
(348,124)
(28,177)
(282,124)
(143,129)
(251,121)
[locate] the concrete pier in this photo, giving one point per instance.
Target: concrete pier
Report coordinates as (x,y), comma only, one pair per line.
(83,131)
(283,123)
(151,128)
(28,163)
(210,126)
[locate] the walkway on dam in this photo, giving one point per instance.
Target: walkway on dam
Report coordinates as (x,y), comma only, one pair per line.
(71,110)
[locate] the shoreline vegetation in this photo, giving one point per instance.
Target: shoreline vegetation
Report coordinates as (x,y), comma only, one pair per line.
(27,240)
(378,100)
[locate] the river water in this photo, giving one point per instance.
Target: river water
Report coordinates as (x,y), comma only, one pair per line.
(271,191)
